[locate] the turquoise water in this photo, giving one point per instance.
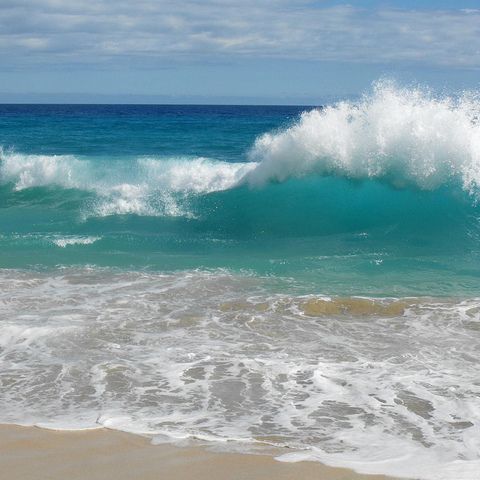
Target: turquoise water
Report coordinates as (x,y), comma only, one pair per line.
(297,277)
(163,188)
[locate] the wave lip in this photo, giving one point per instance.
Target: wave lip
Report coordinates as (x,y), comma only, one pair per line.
(406,137)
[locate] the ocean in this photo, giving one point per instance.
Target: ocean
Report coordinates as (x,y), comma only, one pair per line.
(249,276)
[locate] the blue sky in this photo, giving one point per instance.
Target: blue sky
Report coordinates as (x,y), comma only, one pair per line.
(219,51)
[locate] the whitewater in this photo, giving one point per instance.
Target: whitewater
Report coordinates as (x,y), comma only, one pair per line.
(297,277)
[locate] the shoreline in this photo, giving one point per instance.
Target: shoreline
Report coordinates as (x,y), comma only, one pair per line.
(33,453)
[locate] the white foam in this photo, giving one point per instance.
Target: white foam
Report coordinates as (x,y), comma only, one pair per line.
(27,171)
(63,242)
(199,175)
(217,357)
(407,137)
(141,186)
(388,455)
(21,335)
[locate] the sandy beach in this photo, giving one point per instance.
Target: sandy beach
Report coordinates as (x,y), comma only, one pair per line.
(28,453)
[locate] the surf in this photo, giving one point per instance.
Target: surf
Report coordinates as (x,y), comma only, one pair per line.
(404,137)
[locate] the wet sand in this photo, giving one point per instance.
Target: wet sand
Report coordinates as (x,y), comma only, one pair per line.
(29,453)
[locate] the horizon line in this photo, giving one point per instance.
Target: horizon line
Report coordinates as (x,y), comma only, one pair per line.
(167,104)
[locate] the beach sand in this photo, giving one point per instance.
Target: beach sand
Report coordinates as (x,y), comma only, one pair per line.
(29,453)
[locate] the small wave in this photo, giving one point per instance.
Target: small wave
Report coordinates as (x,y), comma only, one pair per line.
(67,241)
(406,137)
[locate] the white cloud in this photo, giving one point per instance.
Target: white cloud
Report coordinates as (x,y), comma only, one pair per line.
(109,31)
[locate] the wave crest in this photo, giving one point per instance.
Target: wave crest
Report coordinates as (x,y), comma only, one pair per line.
(27,171)
(407,137)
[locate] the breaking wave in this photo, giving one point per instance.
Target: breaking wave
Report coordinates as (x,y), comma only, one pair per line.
(142,186)
(406,137)
(340,168)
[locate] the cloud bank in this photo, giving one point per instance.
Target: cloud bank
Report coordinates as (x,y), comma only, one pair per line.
(115,32)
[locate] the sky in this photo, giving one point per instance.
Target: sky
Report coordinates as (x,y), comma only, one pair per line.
(220,51)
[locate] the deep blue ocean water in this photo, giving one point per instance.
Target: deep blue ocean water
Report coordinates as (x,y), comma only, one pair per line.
(290,277)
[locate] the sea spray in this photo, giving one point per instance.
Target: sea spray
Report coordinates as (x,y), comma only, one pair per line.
(406,137)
